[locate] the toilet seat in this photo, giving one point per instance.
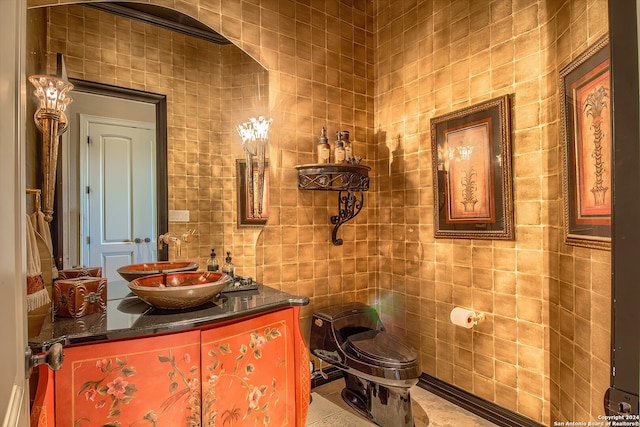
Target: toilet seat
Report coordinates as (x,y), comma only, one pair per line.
(380,348)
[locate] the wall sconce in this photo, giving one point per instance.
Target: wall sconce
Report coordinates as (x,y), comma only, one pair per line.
(255,135)
(53,95)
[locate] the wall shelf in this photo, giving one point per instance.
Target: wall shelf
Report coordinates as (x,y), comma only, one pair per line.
(350,181)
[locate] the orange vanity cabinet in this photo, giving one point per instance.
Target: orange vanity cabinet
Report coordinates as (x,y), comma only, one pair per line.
(151,381)
(251,373)
(240,369)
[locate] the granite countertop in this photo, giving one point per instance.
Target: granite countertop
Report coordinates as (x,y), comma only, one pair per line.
(129,317)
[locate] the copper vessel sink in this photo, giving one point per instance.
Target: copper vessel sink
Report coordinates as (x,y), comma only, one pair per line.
(179,290)
(135,271)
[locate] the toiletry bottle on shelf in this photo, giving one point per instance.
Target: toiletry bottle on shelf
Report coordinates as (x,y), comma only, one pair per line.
(324,149)
(212,262)
(348,147)
(228,268)
(338,152)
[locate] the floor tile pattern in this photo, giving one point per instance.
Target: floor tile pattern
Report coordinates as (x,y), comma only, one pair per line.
(327,410)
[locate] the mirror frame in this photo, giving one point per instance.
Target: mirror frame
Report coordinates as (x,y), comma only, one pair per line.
(162,193)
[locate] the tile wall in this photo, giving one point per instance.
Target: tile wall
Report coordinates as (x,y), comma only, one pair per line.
(540,352)
(35,64)
(382,70)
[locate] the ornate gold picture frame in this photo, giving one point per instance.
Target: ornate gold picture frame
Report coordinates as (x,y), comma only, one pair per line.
(585,88)
(472,179)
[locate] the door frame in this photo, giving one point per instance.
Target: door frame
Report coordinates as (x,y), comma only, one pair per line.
(14,389)
(84,206)
(625,316)
(162,176)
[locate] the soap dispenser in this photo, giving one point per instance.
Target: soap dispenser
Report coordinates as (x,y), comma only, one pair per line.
(228,267)
(338,151)
(212,262)
(324,149)
(348,148)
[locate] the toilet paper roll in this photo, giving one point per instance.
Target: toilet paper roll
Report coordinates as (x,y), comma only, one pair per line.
(463,317)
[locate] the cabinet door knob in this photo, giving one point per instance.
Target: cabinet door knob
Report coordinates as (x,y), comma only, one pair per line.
(137,240)
(147,239)
(52,358)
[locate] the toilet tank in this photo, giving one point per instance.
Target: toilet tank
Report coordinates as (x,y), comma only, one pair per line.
(337,323)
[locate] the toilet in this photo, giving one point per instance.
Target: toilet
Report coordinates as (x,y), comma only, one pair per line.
(378,368)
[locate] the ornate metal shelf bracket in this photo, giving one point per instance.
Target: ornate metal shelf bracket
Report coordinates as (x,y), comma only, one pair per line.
(350,181)
(349,205)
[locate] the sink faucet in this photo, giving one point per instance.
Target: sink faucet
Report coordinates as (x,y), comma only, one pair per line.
(165,239)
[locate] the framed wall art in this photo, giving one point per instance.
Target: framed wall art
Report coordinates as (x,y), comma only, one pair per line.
(472,180)
(247,196)
(585,89)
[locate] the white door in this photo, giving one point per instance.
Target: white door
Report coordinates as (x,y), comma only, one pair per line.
(119,178)
(14,393)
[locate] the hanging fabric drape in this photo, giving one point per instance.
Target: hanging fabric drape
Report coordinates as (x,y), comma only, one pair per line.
(41,226)
(37,295)
(43,233)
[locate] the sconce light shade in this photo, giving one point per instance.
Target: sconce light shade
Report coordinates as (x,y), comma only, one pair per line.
(53,94)
(254,129)
(246,132)
(261,127)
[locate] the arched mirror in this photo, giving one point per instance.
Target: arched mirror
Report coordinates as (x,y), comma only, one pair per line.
(118,54)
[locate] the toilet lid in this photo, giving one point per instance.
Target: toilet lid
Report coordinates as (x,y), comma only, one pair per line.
(379,347)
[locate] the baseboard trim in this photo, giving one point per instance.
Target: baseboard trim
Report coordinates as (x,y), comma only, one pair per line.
(483,408)
(331,372)
(474,404)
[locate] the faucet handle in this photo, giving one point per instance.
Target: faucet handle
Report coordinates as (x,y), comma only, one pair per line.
(189,236)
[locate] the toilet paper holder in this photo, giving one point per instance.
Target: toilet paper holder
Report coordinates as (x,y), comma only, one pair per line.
(478,317)
(465,317)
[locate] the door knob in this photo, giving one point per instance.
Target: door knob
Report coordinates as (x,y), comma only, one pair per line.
(137,240)
(147,239)
(52,358)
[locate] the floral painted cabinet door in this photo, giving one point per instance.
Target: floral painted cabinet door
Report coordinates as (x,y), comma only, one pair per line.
(144,382)
(248,373)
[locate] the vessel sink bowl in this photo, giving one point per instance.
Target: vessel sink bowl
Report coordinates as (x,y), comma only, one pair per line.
(135,271)
(179,290)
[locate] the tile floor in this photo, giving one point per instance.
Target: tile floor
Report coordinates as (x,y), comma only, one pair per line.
(328,410)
